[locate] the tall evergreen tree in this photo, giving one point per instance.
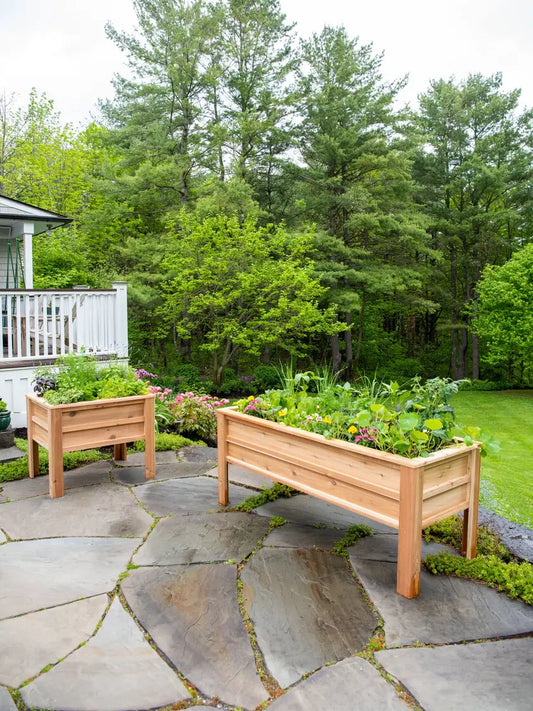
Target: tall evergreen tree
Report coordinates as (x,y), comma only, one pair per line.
(475,169)
(158,114)
(356,183)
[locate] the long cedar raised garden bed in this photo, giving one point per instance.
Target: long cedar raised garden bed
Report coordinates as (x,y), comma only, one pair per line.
(406,494)
(84,425)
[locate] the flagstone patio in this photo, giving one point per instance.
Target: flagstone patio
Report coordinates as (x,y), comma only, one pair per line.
(126,595)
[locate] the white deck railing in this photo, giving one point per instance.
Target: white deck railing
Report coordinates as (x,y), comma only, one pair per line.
(39,325)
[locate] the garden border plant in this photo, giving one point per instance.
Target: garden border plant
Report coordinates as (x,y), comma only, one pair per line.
(409,494)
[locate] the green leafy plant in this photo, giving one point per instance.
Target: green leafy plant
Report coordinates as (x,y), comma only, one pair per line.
(412,420)
(78,377)
(3,405)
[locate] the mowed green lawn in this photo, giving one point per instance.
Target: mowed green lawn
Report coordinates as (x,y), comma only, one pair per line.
(506,477)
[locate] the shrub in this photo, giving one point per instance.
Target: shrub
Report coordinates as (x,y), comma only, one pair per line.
(267,378)
(195,414)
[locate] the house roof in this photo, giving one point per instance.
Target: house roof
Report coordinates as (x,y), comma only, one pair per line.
(14,211)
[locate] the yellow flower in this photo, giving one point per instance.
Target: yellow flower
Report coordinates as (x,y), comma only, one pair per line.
(283,412)
(352,429)
(327,420)
(251,398)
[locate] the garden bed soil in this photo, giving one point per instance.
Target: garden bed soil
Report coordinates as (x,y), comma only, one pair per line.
(406,494)
(88,425)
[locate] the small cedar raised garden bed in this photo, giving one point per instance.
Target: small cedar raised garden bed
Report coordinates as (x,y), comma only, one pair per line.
(85,425)
(406,494)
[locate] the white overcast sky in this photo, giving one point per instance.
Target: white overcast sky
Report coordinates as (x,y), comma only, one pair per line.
(60,47)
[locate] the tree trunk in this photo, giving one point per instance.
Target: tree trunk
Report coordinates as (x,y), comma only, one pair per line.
(359,336)
(266,354)
(335,353)
(475,356)
(453,314)
(349,344)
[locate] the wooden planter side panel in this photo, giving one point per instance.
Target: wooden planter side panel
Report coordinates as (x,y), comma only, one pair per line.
(336,475)
(101,426)
(446,489)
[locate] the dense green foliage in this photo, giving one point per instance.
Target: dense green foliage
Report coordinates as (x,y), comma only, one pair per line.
(504,316)
(267,201)
(412,421)
(506,477)
(76,378)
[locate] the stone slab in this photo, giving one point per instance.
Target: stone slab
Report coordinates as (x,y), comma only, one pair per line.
(185,496)
(202,538)
(448,609)
(384,547)
(3,537)
(240,475)
(6,702)
(192,614)
(195,453)
(491,676)
(11,454)
(516,537)
(41,638)
(100,510)
(306,609)
(293,535)
(135,476)
(308,510)
(93,473)
(39,574)
(117,670)
(338,686)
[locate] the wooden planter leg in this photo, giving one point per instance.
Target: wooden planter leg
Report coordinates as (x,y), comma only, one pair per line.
(410,531)
(33,447)
(470,515)
(149,438)
(223,486)
(55,455)
(120,452)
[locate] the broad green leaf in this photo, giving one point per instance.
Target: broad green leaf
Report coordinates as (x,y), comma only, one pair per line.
(433,424)
(408,421)
(364,418)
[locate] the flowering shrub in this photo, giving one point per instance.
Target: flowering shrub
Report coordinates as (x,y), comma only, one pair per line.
(188,413)
(412,421)
(195,414)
